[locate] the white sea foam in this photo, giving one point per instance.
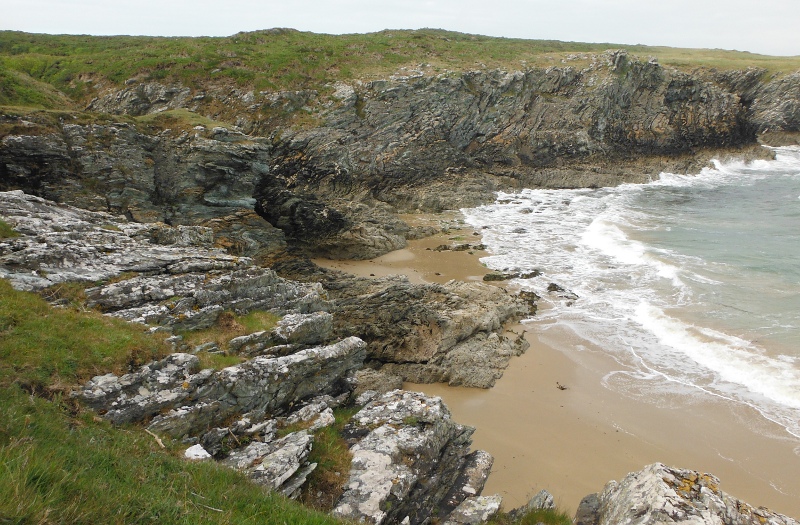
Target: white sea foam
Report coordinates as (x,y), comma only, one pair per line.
(735,360)
(636,290)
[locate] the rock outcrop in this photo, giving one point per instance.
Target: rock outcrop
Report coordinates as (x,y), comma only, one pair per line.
(659,494)
(427,333)
(174,278)
(170,277)
(182,398)
(406,143)
(174,398)
(408,455)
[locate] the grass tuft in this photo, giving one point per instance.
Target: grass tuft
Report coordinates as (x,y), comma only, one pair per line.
(6,231)
(333,458)
(229,325)
(533,517)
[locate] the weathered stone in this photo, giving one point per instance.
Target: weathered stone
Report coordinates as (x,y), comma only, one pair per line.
(588,510)
(542,500)
(220,438)
(407,453)
(191,301)
(659,494)
(273,463)
(317,412)
(475,510)
(196,452)
(429,333)
(376,381)
(187,285)
(305,329)
(470,481)
(199,400)
(138,395)
(60,243)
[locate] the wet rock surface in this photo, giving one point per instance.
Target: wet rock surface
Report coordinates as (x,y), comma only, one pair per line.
(660,494)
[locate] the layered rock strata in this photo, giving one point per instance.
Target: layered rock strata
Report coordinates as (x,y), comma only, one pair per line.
(407,143)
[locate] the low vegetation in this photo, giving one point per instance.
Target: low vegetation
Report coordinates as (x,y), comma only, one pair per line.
(6,231)
(180,120)
(63,71)
(333,458)
(63,464)
(229,325)
(533,517)
(45,349)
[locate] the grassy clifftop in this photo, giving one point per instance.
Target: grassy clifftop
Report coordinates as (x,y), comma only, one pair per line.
(56,71)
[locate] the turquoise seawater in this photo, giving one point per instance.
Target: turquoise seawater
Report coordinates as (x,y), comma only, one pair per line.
(690,283)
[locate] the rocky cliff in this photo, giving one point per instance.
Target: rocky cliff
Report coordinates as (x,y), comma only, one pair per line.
(186,215)
(332,184)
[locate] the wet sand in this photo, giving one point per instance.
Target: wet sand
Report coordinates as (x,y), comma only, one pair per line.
(571,442)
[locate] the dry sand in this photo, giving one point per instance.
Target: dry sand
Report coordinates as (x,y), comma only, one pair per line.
(571,442)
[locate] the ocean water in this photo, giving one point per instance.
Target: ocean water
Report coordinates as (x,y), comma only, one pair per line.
(690,283)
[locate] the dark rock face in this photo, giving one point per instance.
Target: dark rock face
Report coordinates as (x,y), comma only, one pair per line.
(203,179)
(424,142)
(660,494)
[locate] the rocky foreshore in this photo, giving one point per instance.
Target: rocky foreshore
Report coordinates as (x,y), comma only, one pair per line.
(177,228)
(341,341)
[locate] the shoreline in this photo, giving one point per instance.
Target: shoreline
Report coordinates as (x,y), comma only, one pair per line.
(571,442)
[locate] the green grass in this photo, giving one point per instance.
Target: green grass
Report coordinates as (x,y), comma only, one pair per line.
(35,68)
(229,325)
(44,349)
(218,361)
(6,231)
(60,463)
(58,468)
(534,517)
(333,458)
(180,119)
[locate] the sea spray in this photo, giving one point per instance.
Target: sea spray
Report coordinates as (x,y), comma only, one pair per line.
(691,283)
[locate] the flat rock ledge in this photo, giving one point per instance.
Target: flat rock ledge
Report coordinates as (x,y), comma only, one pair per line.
(172,276)
(660,495)
(411,462)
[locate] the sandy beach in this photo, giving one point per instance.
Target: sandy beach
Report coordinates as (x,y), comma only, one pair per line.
(571,442)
